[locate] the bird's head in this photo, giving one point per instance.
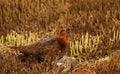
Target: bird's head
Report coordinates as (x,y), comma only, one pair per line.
(65,29)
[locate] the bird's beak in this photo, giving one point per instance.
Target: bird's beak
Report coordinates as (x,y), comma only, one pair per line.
(68,30)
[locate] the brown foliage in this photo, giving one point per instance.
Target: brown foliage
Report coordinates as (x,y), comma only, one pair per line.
(94,16)
(111,66)
(82,15)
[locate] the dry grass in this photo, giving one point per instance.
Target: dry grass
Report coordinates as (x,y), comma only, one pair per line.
(95,32)
(81,15)
(111,66)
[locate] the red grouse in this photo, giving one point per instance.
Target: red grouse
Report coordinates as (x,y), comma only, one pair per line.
(50,47)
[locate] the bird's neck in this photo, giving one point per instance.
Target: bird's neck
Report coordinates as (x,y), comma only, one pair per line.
(63,40)
(63,34)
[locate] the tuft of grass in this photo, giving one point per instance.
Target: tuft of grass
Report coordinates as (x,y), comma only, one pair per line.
(115,38)
(85,44)
(15,39)
(89,45)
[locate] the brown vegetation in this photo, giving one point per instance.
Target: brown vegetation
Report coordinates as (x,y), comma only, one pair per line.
(111,66)
(82,15)
(97,17)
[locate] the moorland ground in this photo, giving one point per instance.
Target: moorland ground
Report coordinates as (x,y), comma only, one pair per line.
(90,21)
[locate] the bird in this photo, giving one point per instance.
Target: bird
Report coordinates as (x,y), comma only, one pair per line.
(49,47)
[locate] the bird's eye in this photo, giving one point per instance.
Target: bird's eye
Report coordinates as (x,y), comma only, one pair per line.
(68,30)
